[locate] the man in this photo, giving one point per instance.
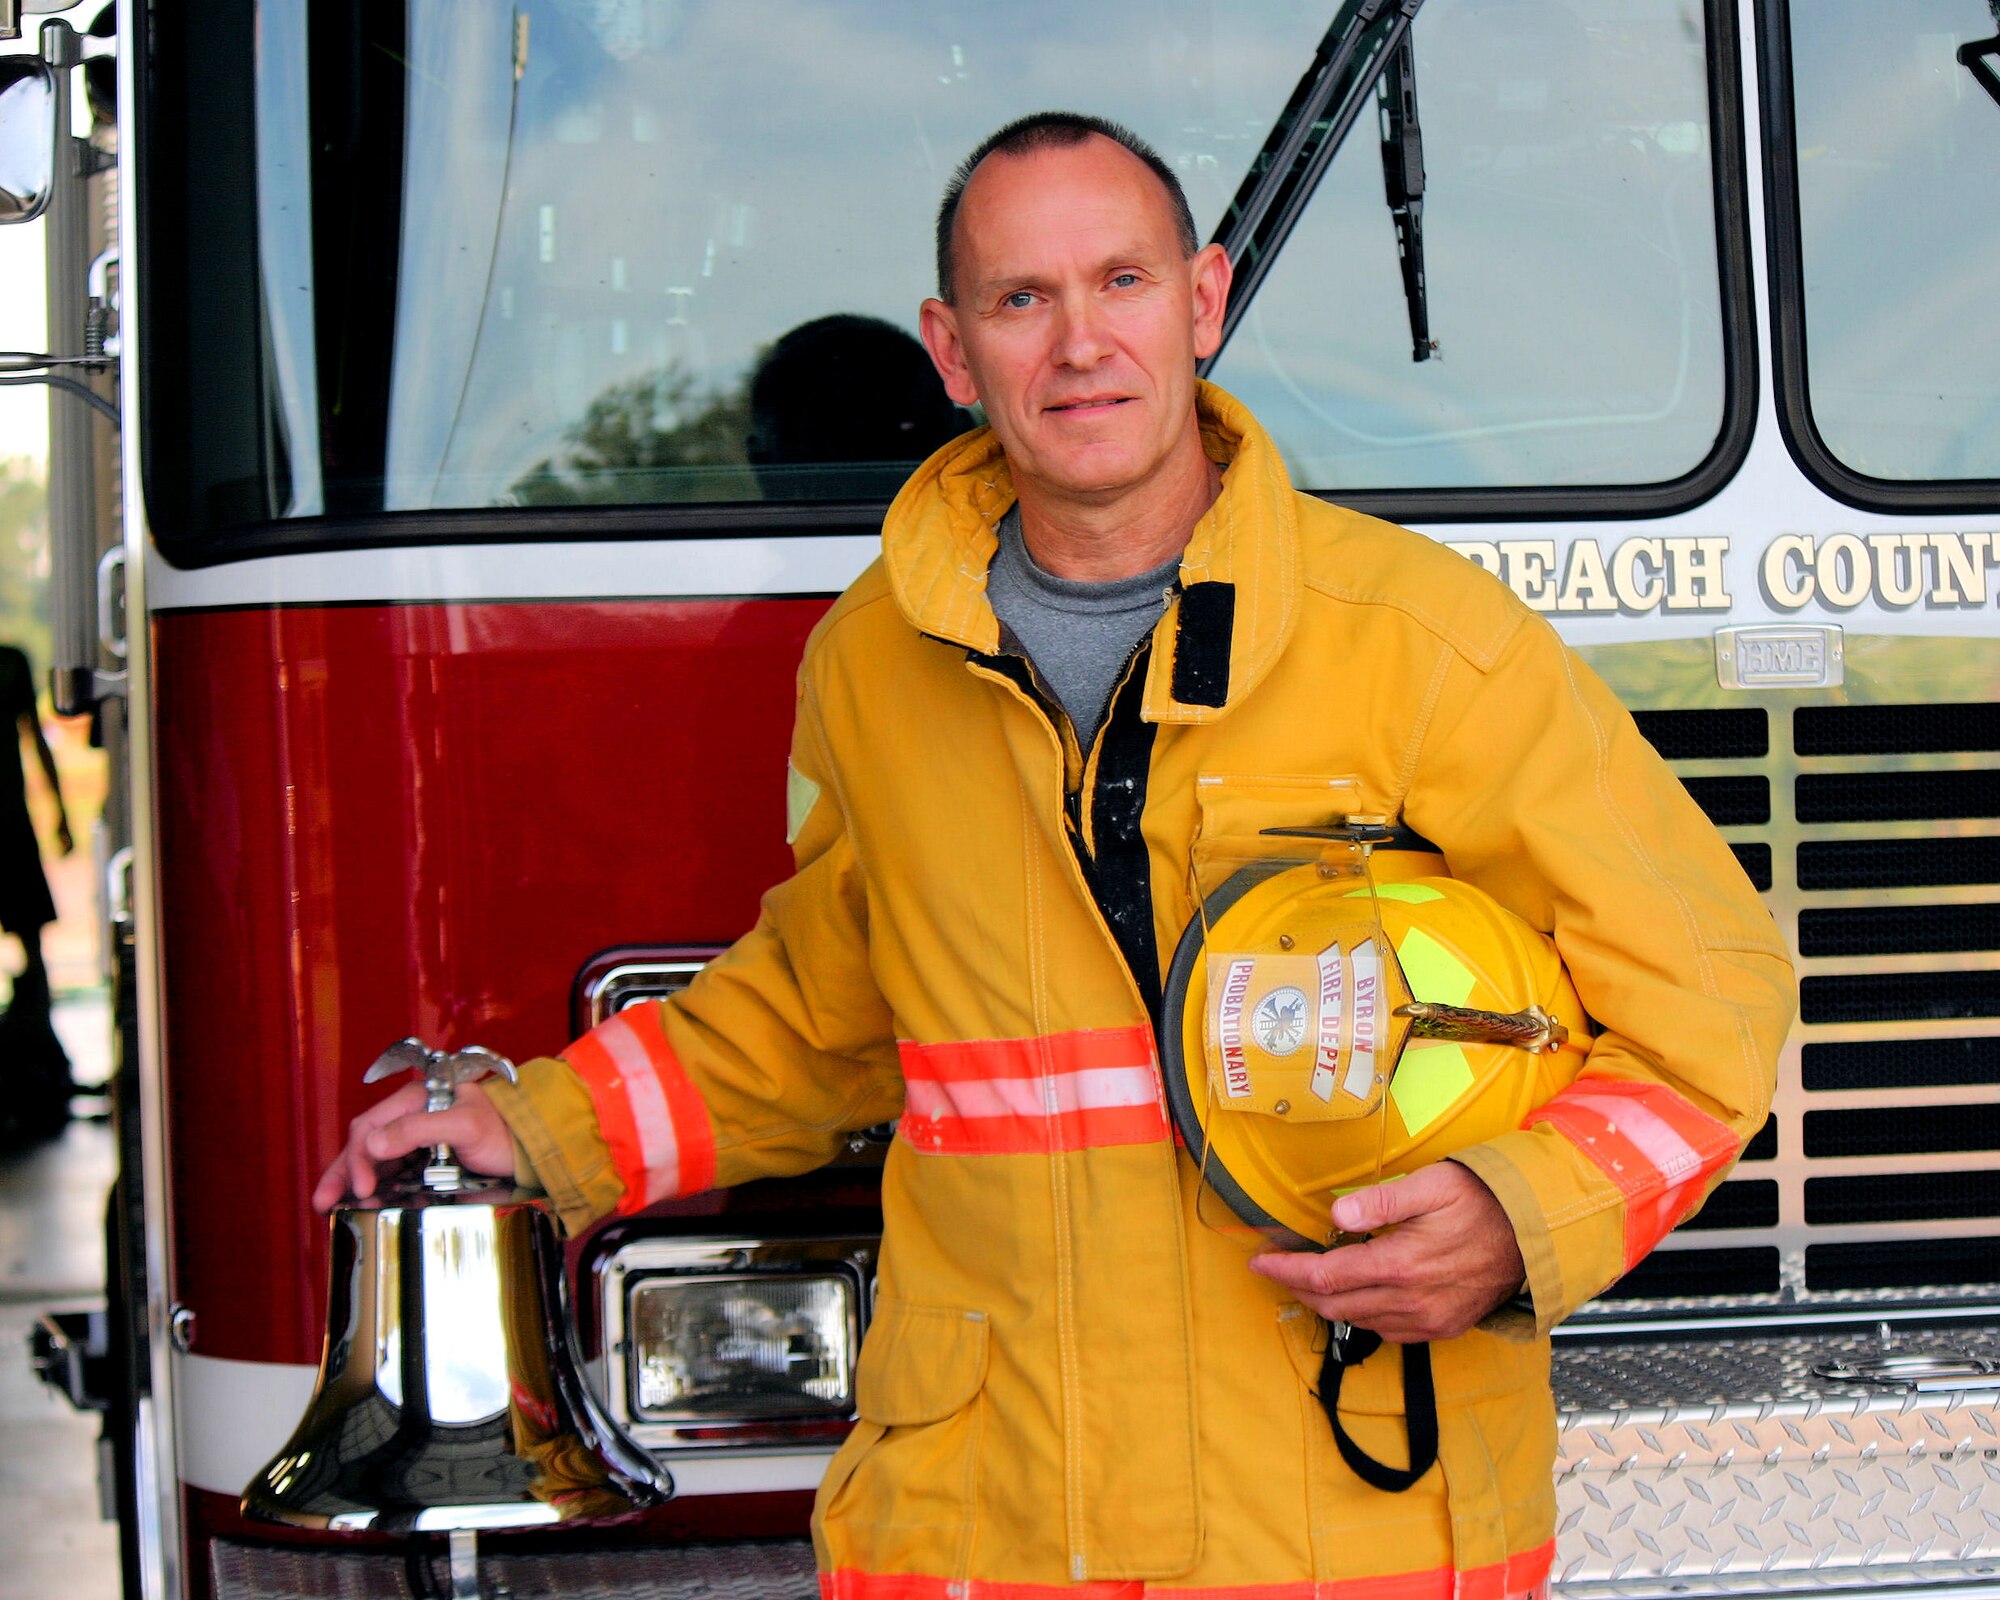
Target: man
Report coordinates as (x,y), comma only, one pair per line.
(33,1065)
(1069,1378)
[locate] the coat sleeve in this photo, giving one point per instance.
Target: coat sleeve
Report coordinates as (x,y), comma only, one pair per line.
(1536,784)
(780,1047)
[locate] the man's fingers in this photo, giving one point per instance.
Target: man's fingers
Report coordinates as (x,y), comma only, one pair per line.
(353,1170)
(421,1129)
(410,1097)
(331,1187)
(1389,1311)
(1380,1205)
(1398,1313)
(1328,1272)
(1448,1256)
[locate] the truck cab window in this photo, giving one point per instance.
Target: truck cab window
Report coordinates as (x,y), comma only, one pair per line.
(1571,270)
(1897,174)
(560,253)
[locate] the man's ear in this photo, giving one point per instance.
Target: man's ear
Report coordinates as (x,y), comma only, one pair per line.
(938,324)
(1209,275)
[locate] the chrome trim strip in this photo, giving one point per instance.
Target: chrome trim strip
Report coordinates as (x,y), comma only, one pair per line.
(631,982)
(236,1415)
(750,1472)
(1822,1311)
(161,1535)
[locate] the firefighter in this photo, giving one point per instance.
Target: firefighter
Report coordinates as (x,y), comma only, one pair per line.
(1103,627)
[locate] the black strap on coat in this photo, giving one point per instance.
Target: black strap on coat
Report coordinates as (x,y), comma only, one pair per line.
(1348,1347)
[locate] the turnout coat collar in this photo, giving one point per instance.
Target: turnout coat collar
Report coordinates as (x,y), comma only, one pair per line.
(1235,606)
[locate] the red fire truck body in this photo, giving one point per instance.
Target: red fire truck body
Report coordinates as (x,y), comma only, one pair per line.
(505,392)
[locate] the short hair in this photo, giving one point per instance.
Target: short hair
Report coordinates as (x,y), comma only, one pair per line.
(1054,130)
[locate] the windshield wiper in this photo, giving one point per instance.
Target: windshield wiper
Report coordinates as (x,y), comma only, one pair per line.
(1978,57)
(1403,183)
(1351,59)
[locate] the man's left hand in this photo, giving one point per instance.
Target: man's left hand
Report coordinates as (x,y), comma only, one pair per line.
(1449,1258)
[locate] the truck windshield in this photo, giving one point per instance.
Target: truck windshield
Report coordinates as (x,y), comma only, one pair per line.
(420,257)
(1898,164)
(1570,267)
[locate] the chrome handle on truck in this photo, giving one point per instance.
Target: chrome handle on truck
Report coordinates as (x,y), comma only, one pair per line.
(1925,1373)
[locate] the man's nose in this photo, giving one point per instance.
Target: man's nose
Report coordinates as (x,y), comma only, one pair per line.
(1083,335)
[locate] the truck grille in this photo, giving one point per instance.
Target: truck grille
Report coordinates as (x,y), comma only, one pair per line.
(1868,828)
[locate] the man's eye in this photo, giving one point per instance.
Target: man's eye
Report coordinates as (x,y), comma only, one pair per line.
(1124,280)
(1019,300)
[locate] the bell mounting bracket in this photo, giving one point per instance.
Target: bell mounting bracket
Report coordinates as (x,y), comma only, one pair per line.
(443,1071)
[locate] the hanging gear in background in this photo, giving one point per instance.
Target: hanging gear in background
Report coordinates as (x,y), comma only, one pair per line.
(1341,1011)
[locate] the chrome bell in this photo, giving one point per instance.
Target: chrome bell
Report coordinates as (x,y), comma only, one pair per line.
(450,1396)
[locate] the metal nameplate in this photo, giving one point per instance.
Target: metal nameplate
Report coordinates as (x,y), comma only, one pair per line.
(1780,656)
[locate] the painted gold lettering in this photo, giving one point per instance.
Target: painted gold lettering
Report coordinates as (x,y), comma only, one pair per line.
(1695,576)
(1788,579)
(1960,561)
(1634,592)
(1899,567)
(1586,585)
(1842,567)
(1525,564)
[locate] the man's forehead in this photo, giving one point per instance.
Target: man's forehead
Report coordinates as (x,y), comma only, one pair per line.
(1096,183)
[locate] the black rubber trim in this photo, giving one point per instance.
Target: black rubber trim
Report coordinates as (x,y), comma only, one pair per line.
(1118,869)
(148,141)
(1786,251)
(1201,644)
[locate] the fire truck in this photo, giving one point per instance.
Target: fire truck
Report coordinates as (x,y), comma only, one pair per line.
(462,413)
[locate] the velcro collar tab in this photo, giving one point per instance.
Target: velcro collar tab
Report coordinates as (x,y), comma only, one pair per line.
(1239,575)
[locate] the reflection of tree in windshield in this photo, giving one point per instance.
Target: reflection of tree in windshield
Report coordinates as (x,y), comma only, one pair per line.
(657,438)
(840,407)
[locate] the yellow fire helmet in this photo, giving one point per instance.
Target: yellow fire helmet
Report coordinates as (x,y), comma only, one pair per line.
(1324,1031)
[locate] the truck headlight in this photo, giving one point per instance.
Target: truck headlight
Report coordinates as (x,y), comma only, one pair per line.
(730,1341)
(751,1347)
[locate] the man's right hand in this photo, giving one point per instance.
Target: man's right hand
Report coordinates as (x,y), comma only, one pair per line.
(399,1124)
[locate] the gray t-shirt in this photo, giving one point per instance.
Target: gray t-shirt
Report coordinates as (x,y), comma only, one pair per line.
(1078,635)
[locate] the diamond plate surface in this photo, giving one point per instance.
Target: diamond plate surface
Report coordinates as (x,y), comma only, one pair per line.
(1727,1465)
(1698,1466)
(761,1570)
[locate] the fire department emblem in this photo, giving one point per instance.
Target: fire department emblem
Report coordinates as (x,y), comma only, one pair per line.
(1279,1023)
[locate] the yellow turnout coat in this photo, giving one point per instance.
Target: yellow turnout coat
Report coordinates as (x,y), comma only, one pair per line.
(1069,1378)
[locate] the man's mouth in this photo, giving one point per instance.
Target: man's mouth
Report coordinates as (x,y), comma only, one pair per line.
(1087,406)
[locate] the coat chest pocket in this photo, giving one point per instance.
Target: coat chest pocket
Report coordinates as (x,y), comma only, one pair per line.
(1243,805)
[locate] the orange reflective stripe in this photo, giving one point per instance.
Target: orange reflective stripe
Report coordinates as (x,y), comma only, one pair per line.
(1657,1148)
(692,1134)
(1516,1578)
(1061,1091)
(652,1117)
(847,1584)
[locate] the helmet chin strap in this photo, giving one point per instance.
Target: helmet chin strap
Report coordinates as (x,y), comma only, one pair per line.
(1348,1346)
